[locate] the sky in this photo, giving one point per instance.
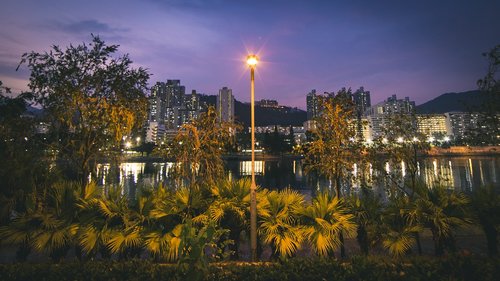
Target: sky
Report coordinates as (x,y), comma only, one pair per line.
(419,49)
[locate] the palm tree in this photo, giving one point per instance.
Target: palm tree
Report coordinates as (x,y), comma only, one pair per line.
(169,214)
(367,210)
(278,221)
(49,224)
(93,232)
(398,235)
(442,211)
(325,218)
(485,203)
(230,208)
(111,223)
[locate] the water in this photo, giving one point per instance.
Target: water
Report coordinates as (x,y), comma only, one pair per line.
(459,173)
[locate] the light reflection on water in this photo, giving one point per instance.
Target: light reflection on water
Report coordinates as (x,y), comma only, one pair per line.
(459,173)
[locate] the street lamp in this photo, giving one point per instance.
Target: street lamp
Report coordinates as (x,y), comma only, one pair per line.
(252,61)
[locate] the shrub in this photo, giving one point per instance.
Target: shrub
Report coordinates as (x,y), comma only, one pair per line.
(357,268)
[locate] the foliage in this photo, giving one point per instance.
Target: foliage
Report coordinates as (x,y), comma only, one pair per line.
(24,166)
(331,153)
(485,203)
(170,225)
(402,144)
(197,149)
(442,212)
(47,224)
(324,220)
(278,221)
(230,208)
(399,229)
(367,211)
(486,131)
(91,99)
(193,262)
(276,143)
(379,268)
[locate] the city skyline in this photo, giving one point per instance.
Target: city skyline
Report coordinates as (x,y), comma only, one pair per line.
(420,50)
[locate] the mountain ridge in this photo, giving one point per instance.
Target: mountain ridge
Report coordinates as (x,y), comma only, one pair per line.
(284,115)
(454,101)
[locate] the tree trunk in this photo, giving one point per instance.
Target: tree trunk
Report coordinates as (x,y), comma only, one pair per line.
(492,240)
(342,246)
(419,246)
(23,252)
(234,234)
(362,238)
(438,245)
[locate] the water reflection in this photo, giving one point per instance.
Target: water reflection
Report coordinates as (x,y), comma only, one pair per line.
(459,173)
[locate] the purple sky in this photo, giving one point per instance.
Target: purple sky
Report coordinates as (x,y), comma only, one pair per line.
(419,49)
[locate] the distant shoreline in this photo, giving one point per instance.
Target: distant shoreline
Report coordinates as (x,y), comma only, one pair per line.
(464,151)
(454,151)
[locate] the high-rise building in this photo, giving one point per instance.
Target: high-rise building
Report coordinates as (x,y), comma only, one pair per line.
(174,104)
(432,125)
(169,108)
(225,105)
(312,105)
(191,107)
(157,102)
(361,99)
(393,106)
(460,124)
(377,114)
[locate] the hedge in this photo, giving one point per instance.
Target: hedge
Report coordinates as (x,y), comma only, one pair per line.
(357,268)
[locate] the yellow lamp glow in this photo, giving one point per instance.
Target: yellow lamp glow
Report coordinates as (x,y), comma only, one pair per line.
(252,60)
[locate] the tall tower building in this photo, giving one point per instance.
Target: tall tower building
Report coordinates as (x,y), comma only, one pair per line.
(173,104)
(166,107)
(191,109)
(175,93)
(312,105)
(225,105)
(361,99)
(157,102)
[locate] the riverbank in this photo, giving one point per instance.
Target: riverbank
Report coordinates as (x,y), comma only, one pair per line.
(137,158)
(433,152)
(464,151)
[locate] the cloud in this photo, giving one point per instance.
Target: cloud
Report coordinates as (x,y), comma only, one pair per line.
(86,27)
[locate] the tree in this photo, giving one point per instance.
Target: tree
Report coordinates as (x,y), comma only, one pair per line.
(403,145)
(197,149)
(91,98)
(442,212)
(230,208)
(274,143)
(48,223)
(324,219)
(399,227)
(367,210)
(330,153)
(486,131)
(279,221)
(24,166)
(485,203)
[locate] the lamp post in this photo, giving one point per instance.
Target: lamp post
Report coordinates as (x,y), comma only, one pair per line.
(252,61)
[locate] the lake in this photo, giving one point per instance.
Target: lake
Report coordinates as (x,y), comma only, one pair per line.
(462,173)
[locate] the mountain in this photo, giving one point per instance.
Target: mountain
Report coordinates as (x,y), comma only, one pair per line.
(264,116)
(463,101)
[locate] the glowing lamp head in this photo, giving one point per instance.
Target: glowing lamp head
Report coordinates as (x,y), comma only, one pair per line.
(252,60)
